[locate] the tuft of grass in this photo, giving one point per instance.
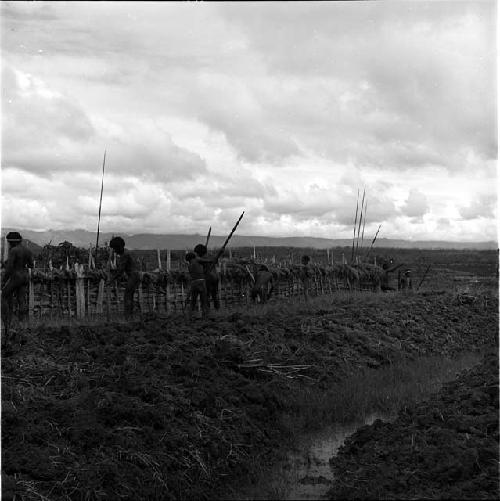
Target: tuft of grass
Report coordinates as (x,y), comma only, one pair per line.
(384,390)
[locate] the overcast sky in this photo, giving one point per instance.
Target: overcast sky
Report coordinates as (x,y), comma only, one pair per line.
(283,110)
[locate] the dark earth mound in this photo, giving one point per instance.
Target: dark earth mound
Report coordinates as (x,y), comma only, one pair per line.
(169,410)
(443,448)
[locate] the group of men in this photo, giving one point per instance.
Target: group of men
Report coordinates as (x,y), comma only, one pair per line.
(203,274)
(204,280)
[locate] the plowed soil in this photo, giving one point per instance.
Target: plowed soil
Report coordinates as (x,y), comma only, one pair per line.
(168,409)
(443,448)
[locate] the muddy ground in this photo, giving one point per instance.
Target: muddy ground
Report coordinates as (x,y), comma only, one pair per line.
(443,448)
(168,409)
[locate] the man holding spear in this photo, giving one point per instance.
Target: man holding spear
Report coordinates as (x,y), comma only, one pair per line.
(203,274)
(211,275)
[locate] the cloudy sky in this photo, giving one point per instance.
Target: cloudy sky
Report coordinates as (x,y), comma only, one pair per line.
(283,110)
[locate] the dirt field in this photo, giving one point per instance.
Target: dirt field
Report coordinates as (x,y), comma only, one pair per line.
(443,448)
(168,410)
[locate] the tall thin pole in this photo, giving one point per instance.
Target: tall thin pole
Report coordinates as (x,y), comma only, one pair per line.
(354,229)
(360,219)
(364,223)
(208,236)
(100,203)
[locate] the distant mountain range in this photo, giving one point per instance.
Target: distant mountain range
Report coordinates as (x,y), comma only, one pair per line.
(144,241)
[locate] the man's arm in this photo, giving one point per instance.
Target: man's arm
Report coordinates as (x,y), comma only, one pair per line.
(29,259)
(394,268)
(10,264)
(206,259)
(120,267)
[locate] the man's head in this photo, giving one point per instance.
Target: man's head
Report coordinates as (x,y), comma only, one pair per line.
(305,260)
(190,256)
(14,238)
(117,244)
(263,267)
(201,250)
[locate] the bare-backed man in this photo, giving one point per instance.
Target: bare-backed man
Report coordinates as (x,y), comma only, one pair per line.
(15,281)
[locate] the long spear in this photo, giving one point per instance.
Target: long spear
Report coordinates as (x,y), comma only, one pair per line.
(424,277)
(208,236)
(100,204)
(373,241)
(354,229)
(222,249)
(364,223)
(360,219)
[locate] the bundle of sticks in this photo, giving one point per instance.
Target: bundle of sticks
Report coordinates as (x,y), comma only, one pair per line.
(287,371)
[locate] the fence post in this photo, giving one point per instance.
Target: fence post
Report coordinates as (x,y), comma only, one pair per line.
(141,297)
(31,298)
(68,290)
(80,291)
(168,288)
(159,258)
(108,302)
(100,295)
(88,303)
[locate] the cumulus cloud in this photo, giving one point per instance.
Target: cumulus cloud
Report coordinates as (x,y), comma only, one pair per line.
(45,132)
(416,205)
(285,110)
(482,207)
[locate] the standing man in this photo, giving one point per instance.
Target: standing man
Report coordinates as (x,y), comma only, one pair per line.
(408,282)
(263,286)
(126,265)
(384,278)
(198,286)
(15,280)
(211,275)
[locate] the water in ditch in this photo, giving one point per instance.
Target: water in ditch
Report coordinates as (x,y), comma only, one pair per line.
(305,472)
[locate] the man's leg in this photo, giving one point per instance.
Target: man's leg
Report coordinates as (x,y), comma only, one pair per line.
(128,298)
(7,305)
(263,294)
(22,303)
(128,303)
(194,297)
(195,292)
(204,300)
(214,294)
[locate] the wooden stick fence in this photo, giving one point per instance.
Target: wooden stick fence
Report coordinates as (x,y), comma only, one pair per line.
(85,295)
(87,298)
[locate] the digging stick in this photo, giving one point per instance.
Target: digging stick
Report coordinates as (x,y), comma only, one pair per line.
(208,236)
